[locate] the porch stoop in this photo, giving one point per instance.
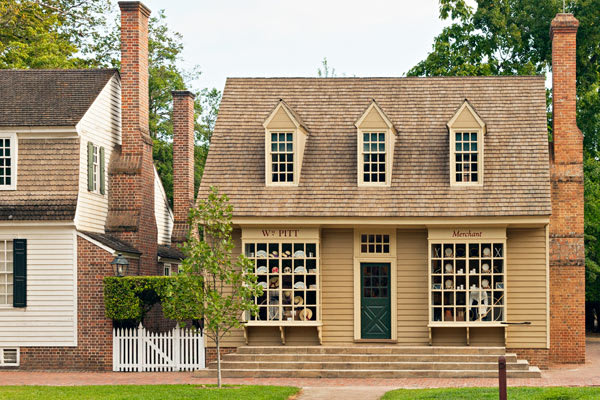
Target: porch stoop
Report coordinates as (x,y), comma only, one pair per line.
(368,362)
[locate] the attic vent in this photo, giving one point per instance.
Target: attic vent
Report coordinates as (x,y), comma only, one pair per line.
(9,357)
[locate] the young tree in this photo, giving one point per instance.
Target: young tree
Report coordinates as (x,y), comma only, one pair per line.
(213,285)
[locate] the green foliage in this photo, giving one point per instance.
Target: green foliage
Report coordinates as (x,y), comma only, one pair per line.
(511,37)
(47,34)
(327,71)
(131,297)
(212,284)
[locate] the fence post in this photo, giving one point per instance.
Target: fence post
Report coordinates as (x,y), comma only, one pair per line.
(176,358)
(141,349)
(115,350)
(502,377)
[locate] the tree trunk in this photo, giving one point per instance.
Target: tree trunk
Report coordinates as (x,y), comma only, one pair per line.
(217,340)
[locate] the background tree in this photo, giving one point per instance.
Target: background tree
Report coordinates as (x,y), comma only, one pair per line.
(326,71)
(213,285)
(48,33)
(511,37)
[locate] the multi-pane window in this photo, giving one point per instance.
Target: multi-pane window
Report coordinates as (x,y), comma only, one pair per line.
(374,157)
(282,157)
(466,157)
(6,163)
(96,170)
(6,272)
(374,243)
(467,282)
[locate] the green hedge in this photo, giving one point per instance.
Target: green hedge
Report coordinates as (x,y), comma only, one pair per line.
(129,298)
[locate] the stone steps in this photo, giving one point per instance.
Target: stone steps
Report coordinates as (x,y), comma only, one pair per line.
(289,365)
(532,372)
(367,349)
(368,361)
(370,358)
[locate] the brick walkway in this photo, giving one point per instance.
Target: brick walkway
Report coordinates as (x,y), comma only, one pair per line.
(558,375)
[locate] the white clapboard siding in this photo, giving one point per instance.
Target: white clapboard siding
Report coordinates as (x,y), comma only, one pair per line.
(136,349)
(101,125)
(162,212)
(50,318)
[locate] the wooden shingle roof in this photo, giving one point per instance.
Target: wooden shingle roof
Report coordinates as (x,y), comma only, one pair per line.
(38,97)
(516,181)
(47,181)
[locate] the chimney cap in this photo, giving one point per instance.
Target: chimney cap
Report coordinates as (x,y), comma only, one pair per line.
(133,6)
(563,22)
(181,93)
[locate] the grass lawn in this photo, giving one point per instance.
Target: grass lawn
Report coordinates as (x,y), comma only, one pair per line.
(150,392)
(514,393)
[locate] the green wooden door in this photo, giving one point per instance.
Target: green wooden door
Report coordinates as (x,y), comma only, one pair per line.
(376,316)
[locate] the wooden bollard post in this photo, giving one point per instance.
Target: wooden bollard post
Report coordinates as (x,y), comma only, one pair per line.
(502,377)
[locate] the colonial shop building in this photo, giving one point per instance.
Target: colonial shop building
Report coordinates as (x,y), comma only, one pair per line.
(408,212)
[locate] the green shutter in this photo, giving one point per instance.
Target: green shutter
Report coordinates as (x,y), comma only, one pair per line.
(90,166)
(20,273)
(101,170)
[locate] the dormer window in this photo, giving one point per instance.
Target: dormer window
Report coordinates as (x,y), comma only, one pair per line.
(282,157)
(285,140)
(466,147)
(8,161)
(376,138)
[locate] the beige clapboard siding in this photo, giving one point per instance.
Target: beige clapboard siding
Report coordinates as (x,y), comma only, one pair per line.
(412,287)
(101,125)
(337,286)
(526,287)
(236,336)
(162,212)
(50,316)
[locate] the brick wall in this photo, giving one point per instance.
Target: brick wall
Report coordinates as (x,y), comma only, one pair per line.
(183,162)
(536,357)
(94,330)
(211,353)
(567,254)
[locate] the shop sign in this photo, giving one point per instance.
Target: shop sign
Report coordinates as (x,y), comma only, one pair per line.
(467,233)
(279,234)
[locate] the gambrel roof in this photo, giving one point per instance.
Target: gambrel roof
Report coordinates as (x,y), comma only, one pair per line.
(38,97)
(517,181)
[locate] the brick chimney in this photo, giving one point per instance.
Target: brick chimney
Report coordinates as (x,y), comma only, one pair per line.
(183,162)
(131,173)
(567,255)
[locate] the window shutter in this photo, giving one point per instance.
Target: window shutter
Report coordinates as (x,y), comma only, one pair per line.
(102,170)
(90,166)
(20,273)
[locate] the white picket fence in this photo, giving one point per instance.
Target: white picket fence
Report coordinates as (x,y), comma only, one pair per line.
(136,349)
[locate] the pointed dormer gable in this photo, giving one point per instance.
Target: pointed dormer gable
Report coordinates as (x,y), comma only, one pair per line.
(467,131)
(285,140)
(376,136)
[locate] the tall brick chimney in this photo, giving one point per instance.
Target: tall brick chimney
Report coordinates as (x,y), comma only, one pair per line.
(183,162)
(567,255)
(131,185)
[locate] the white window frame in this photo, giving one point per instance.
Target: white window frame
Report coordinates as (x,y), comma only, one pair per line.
(479,153)
(388,156)
(3,362)
(268,157)
(3,273)
(13,157)
(95,168)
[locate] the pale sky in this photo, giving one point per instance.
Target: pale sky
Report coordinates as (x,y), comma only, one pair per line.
(256,38)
